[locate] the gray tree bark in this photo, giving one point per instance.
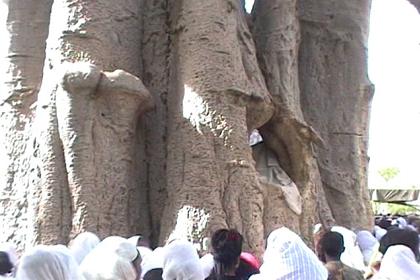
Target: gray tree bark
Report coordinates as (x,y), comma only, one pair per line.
(26,27)
(87,154)
(336,95)
(277,33)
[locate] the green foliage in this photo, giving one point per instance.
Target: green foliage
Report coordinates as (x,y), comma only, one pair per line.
(389,173)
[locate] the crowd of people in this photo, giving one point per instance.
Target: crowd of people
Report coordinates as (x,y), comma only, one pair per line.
(391,251)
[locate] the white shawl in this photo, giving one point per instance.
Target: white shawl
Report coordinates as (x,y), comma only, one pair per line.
(181,261)
(399,263)
(287,257)
(82,245)
(352,256)
(48,263)
(367,244)
(110,260)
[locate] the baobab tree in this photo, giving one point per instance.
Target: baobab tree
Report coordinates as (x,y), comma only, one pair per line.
(132,116)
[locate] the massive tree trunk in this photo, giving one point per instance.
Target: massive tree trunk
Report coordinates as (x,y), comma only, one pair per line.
(25,28)
(98,161)
(336,95)
(277,33)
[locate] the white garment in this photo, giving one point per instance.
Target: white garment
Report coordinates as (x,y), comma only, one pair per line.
(207,264)
(181,262)
(82,245)
(255,138)
(401,222)
(110,260)
(399,263)
(379,232)
(151,261)
(10,249)
(287,257)
(144,251)
(367,244)
(352,256)
(48,263)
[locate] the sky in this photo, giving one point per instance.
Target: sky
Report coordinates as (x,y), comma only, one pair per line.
(394,68)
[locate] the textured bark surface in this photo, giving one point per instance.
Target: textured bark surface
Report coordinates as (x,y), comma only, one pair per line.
(155,57)
(276,31)
(97,150)
(21,73)
(210,164)
(92,120)
(335,95)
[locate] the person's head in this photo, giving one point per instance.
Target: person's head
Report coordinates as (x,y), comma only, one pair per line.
(226,248)
(48,263)
(181,261)
(154,274)
(332,245)
(114,257)
(384,223)
(10,249)
(6,265)
(405,237)
(287,257)
(82,245)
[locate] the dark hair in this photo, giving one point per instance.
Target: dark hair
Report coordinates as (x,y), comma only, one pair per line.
(332,244)
(227,247)
(384,223)
(405,237)
(154,274)
(6,265)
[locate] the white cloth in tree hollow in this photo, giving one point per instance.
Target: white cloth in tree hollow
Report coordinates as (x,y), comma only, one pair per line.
(48,263)
(82,245)
(181,261)
(287,257)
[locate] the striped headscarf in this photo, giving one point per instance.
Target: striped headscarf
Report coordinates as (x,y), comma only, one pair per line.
(287,257)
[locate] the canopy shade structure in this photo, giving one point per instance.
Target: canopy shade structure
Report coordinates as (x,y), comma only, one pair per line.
(394,195)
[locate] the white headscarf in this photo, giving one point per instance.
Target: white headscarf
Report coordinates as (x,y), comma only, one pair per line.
(48,263)
(207,264)
(153,260)
(287,257)
(401,222)
(82,245)
(181,261)
(110,260)
(379,232)
(352,256)
(367,244)
(399,263)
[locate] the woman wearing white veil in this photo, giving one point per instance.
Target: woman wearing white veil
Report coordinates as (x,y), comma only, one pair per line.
(48,263)
(288,258)
(81,246)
